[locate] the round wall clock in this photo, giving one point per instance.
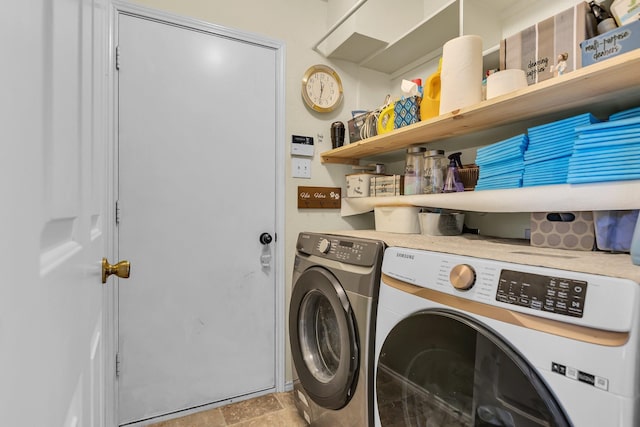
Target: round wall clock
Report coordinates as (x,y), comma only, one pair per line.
(321,88)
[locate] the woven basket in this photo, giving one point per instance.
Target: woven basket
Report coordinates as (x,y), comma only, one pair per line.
(469,176)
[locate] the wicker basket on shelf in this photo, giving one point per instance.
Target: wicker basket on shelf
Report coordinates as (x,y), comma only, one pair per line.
(469,176)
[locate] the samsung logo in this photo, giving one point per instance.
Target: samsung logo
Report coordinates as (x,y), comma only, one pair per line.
(403,255)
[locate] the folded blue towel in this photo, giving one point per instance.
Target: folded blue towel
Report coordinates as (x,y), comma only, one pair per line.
(632,112)
(510,166)
(507,149)
(562,125)
(582,144)
(604,178)
(622,123)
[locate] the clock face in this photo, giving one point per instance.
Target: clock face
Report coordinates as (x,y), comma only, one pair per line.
(322,88)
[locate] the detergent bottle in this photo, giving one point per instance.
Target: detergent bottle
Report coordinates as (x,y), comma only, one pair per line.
(430,105)
(452,182)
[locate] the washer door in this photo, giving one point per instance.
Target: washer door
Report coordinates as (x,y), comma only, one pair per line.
(324,344)
(444,369)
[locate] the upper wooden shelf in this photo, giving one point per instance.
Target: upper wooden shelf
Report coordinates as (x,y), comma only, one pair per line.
(614,82)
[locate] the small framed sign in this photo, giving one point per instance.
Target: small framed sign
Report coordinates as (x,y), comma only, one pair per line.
(319,197)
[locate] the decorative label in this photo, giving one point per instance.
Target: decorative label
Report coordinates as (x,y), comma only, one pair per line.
(319,197)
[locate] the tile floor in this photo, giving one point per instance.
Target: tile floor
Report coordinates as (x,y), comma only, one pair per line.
(271,410)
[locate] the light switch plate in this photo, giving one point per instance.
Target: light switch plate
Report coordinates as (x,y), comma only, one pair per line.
(300,168)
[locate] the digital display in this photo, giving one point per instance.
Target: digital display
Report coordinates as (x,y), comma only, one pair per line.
(346,244)
(545,293)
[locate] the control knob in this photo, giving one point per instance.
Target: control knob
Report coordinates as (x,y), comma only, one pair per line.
(324,246)
(462,277)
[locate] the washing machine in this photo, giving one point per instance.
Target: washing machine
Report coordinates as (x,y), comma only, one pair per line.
(332,327)
(464,341)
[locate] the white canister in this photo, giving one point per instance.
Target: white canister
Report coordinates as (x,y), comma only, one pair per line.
(505,81)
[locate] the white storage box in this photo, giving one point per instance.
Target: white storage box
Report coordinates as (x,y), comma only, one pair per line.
(397,219)
(441,224)
(359,184)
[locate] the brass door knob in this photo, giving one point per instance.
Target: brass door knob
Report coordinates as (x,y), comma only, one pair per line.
(121,269)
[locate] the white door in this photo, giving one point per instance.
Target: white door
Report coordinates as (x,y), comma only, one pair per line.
(197,135)
(53,219)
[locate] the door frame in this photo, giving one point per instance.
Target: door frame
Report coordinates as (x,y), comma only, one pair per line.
(118,7)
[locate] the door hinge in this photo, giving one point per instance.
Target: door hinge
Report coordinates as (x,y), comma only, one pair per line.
(117,57)
(117,212)
(117,364)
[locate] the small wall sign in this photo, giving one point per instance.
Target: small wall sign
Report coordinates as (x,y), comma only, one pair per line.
(319,197)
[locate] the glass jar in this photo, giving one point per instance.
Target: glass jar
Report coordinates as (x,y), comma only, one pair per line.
(413,170)
(435,169)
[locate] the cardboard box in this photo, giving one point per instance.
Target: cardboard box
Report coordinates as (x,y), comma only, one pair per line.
(563,230)
(536,49)
(610,44)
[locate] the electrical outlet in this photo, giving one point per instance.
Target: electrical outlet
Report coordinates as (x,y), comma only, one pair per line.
(300,168)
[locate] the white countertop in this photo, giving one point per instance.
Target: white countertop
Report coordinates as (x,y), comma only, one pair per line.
(510,250)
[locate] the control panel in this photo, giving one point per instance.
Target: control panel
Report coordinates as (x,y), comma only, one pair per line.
(344,249)
(553,294)
(535,290)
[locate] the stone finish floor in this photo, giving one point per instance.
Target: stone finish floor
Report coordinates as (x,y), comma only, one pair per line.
(271,410)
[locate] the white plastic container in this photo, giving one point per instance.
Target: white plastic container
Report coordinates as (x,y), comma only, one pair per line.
(397,219)
(441,224)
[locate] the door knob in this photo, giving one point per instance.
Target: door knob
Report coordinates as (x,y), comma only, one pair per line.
(121,269)
(265,238)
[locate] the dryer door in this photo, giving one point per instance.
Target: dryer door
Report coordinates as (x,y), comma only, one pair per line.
(445,369)
(324,344)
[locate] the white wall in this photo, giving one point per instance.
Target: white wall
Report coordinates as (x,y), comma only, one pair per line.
(299,24)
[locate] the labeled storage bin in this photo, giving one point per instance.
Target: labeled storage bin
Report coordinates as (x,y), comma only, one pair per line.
(610,44)
(397,219)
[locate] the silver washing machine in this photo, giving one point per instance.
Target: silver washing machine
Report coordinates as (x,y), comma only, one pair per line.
(332,319)
(464,341)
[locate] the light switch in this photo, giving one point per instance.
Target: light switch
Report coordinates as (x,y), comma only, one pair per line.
(300,168)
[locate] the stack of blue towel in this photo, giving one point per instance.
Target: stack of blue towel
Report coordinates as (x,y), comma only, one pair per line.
(501,164)
(546,160)
(608,151)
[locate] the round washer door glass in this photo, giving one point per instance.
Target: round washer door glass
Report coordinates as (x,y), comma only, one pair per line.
(319,336)
(444,369)
(324,345)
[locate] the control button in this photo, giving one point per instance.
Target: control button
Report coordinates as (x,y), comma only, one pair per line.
(324,246)
(602,383)
(462,277)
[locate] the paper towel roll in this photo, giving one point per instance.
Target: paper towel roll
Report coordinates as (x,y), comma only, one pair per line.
(505,81)
(461,76)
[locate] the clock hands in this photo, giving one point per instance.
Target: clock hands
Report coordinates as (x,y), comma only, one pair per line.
(321,89)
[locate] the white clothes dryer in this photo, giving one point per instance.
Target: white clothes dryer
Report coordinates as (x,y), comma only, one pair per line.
(332,326)
(464,341)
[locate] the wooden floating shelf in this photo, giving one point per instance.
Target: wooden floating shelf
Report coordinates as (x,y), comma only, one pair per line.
(615,81)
